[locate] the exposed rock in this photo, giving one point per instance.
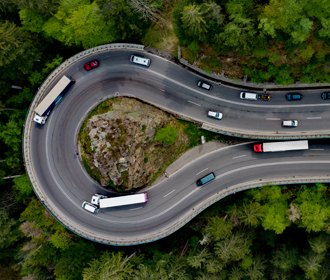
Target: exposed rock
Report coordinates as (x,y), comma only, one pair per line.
(120,140)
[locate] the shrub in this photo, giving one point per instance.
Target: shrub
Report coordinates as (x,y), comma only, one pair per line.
(167,135)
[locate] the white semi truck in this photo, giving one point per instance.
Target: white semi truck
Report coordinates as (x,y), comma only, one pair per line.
(52,98)
(104,202)
(281,146)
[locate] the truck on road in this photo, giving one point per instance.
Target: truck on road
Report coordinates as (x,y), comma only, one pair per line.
(281,146)
(105,202)
(52,98)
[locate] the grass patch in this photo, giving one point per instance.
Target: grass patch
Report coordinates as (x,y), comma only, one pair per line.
(144,128)
(189,136)
(210,63)
(188,55)
(194,134)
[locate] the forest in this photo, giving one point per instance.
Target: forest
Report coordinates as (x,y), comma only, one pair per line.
(266,233)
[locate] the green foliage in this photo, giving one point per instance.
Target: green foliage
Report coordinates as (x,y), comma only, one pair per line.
(233,247)
(275,217)
(144,128)
(307,52)
(75,22)
(238,34)
(61,239)
(108,266)
(285,258)
(11,134)
(314,208)
(311,264)
(219,228)
(302,30)
(275,206)
(319,244)
(125,20)
(167,135)
(16,51)
(250,214)
(23,186)
(42,8)
(8,233)
(194,20)
(71,263)
(34,212)
(193,47)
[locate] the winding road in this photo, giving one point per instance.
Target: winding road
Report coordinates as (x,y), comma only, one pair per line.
(172,202)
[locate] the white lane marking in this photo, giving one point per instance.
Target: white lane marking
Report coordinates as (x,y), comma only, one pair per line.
(273,119)
(198,158)
(162,89)
(247,104)
(314,118)
(317,149)
(169,193)
(216,178)
(194,103)
(51,170)
(202,171)
(74,185)
(136,208)
(239,156)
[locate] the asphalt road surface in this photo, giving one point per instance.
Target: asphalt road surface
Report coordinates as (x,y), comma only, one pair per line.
(66,184)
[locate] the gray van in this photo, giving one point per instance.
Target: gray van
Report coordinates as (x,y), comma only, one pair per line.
(205,179)
(140,60)
(248,96)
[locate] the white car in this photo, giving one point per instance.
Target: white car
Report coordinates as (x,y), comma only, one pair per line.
(214,115)
(204,85)
(90,207)
(248,96)
(290,123)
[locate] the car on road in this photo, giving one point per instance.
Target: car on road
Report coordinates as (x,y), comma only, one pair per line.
(92,64)
(265,97)
(202,181)
(90,207)
(214,115)
(248,96)
(325,95)
(140,60)
(204,85)
(290,123)
(293,96)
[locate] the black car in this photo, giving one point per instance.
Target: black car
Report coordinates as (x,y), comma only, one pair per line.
(325,95)
(293,96)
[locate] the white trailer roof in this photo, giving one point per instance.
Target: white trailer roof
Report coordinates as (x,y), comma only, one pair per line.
(123,200)
(51,96)
(285,146)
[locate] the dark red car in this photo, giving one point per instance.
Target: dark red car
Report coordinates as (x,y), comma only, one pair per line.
(92,64)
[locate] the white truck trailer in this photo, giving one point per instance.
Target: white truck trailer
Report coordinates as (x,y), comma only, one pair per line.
(281,146)
(52,98)
(105,202)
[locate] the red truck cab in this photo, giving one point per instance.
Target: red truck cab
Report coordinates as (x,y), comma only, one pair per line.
(258,148)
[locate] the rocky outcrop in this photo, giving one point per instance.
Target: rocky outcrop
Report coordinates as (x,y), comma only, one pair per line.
(121,138)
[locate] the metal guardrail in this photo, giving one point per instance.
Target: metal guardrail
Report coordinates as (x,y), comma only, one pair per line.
(120,241)
(271,136)
(243,84)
